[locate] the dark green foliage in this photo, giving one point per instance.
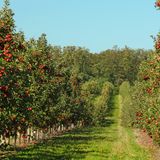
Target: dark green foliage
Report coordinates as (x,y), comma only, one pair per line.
(96,96)
(120,65)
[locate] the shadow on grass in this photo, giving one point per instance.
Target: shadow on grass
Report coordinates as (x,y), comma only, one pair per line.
(73,145)
(76,144)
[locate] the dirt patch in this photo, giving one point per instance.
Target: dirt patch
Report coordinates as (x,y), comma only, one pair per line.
(144,140)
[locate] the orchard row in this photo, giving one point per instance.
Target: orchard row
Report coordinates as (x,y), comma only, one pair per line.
(143,99)
(42,87)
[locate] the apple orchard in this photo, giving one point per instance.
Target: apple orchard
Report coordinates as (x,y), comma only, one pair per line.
(43,88)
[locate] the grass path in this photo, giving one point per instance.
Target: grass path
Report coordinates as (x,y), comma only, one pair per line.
(126,147)
(111,142)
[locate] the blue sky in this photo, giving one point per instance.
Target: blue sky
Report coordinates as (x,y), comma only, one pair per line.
(95,24)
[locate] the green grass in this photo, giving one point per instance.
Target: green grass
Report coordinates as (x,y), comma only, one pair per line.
(126,147)
(111,142)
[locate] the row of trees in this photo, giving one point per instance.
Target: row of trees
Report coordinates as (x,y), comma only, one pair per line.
(143,99)
(42,86)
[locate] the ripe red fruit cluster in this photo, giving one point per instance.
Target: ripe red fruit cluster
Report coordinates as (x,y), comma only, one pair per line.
(4,88)
(158,44)
(29,109)
(8,55)
(8,38)
(42,66)
(2,71)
